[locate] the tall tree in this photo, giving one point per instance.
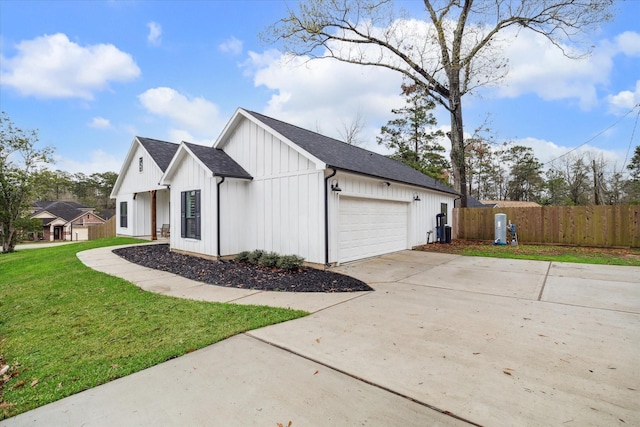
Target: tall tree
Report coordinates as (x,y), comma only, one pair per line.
(20,161)
(350,132)
(575,172)
(53,185)
(481,165)
(449,54)
(412,136)
(525,174)
(555,188)
(632,186)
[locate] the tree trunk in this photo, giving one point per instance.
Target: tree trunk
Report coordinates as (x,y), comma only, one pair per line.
(457,142)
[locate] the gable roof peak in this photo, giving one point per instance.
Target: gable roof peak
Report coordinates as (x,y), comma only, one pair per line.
(350,158)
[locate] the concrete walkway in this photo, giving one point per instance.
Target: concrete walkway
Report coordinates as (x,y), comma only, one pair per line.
(40,245)
(444,340)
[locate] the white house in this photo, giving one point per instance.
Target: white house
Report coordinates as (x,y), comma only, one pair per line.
(266,184)
(142,204)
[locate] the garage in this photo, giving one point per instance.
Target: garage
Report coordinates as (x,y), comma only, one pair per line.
(370,227)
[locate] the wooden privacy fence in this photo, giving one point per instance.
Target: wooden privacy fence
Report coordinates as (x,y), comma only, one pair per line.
(599,226)
(108,229)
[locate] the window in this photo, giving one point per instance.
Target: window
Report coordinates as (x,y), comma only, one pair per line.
(140,164)
(190,214)
(443,209)
(123,214)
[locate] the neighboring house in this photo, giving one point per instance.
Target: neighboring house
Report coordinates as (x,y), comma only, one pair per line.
(142,204)
(472,202)
(269,185)
(509,204)
(64,220)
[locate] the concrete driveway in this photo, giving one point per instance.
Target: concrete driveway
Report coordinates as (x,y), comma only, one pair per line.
(444,340)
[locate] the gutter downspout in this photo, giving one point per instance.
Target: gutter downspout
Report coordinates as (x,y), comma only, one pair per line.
(218,213)
(326,217)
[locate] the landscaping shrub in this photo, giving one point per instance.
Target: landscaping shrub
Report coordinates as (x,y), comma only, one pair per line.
(269,259)
(290,262)
(243,256)
(254,257)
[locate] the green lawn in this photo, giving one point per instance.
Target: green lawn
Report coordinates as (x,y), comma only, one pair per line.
(609,256)
(65,328)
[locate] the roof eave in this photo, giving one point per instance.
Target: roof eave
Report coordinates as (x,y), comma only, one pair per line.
(453,192)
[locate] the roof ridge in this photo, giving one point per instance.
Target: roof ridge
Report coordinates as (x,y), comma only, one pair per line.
(320,134)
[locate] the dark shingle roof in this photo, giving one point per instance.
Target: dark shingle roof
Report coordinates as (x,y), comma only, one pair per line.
(65,210)
(218,161)
(472,202)
(340,155)
(160,151)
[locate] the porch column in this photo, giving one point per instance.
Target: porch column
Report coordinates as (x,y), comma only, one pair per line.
(154,234)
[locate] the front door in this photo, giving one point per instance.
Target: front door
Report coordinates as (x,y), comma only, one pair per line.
(57,233)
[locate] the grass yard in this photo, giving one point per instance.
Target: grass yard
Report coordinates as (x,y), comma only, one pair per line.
(65,328)
(609,256)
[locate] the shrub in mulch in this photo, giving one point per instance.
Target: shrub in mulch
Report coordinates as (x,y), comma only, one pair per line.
(242,275)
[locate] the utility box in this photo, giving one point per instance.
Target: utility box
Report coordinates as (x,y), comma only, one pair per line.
(440,221)
(500,229)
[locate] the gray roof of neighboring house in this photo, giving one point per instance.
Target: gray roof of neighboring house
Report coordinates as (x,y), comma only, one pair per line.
(218,161)
(160,151)
(65,210)
(340,155)
(472,202)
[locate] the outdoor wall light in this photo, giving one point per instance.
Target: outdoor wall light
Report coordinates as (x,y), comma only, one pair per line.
(387,183)
(335,186)
(416,197)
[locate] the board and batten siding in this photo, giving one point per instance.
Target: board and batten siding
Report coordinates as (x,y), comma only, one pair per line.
(191,176)
(421,214)
(140,183)
(282,209)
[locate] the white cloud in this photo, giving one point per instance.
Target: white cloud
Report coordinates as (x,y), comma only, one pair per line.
(179,135)
(537,66)
(192,115)
(155,33)
(100,123)
(628,43)
(98,162)
(320,95)
(625,100)
(547,151)
(52,66)
(232,45)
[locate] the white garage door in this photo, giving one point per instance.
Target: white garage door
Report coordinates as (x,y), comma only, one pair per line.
(369,227)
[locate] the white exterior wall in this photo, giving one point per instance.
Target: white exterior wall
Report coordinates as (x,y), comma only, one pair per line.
(191,176)
(421,214)
(282,209)
(124,231)
(163,206)
(135,181)
(139,210)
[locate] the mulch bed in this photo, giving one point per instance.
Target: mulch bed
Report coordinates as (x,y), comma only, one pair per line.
(232,274)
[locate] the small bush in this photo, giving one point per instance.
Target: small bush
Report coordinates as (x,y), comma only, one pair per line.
(269,259)
(243,256)
(254,257)
(290,262)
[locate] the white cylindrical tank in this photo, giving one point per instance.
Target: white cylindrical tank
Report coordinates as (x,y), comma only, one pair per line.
(501,228)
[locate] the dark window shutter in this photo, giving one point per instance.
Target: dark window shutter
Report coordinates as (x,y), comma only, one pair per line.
(183,214)
(198,214)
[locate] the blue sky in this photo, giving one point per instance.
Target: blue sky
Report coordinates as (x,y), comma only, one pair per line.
(89,75)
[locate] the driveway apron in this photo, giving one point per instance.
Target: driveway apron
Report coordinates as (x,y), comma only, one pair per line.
(493,341)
